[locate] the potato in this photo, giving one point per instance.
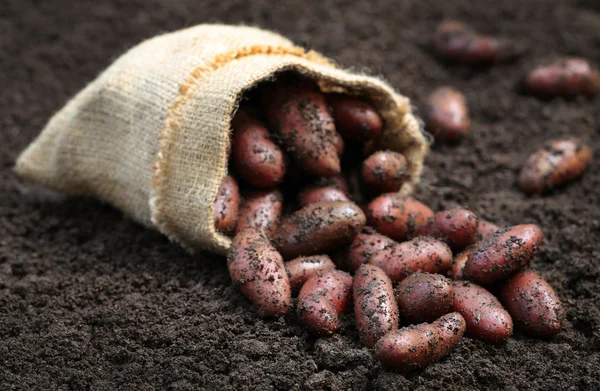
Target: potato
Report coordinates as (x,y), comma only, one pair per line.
(322,299)
(254,155)
(565,76)
(364,245)
(502,254)
(422,254)
(533,304)
(447,115)
(420,345)
(338,181)
(424,297)
(301,269)
(558,162)
(339,144)
(257,268)
(384,172)
(262,210)
(321,194)
(456,227)
(354,118)
(375,307)
(396,216)
(457,42)
(226,206)
(486,318)
(318,228)
(297,112)
(485,229)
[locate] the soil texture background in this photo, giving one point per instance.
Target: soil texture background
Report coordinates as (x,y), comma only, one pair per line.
(90,300)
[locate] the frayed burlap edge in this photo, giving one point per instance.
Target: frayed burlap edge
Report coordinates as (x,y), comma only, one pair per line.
(402,131)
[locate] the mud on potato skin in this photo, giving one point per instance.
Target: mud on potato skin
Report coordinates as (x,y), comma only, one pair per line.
(322,299)
(375,307)
(319,228)
(419,345)
(258,270)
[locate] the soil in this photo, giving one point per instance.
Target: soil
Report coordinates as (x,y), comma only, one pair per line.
(91,300)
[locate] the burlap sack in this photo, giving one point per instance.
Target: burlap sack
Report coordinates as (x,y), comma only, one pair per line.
(150,134)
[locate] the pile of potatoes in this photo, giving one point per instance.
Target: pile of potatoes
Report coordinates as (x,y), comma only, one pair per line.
(319,217)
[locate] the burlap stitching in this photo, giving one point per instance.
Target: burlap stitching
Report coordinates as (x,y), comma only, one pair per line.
(187,90)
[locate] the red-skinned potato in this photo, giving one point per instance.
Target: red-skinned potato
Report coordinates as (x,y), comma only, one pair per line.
(299,270)
(558,162)
(262,210)
(322,299)
(257,268)
(424,297)
(339,144)
(456,227)
(565,76)
(321,194)
(502,254)
(447,115)
(318,228)
(338,181)
(458,42)
(364,245)
(419,345)
(254,155)
(533,304)
(384,172)
(486,318)
(226,206)
(354,118)
(297,112)
(375,307)
(396,216)
(485,229)
(422,254)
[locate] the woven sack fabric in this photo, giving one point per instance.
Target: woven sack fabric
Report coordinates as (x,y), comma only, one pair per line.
(150,134)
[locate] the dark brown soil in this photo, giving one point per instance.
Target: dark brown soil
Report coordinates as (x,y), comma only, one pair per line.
(91,300)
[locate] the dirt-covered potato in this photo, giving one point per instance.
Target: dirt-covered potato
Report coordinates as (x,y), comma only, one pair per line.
(420,345)
(384,172)
(565,76)
(354,118)
(396,216)
(558,162)
(375,307)
(456,227)
(262,210)
(422,254)
(319,228)
(500,255)
(339,182)
(485,229)
(424,297)
(257,268)
(365,244)
(486,318)
(533,304)
(297,113)
(226,206)
(299,270)
(255,156)
(321,194)
(447,114)
(322,299)
(458,42)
